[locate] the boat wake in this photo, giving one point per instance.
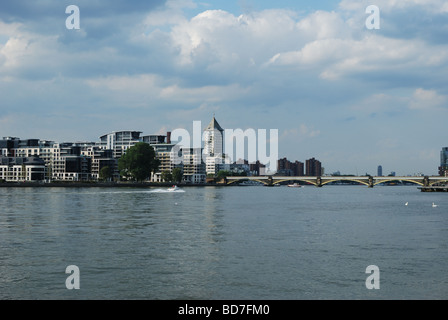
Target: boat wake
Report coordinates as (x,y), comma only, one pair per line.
(166,191)
(133,191)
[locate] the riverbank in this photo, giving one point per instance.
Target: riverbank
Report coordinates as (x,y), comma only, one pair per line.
(92,184)
(101,185)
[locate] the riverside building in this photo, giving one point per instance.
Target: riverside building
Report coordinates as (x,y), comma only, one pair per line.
(213,147)
(119,141)
(84,161)
(22,169)
(193,165)
(443,169)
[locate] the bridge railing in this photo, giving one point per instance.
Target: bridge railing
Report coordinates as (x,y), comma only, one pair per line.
(320,181)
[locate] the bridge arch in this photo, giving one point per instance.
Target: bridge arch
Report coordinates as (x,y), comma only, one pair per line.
(364,182)
(420,183)
(437,181)
(313,182)
(246,179)
(321,181)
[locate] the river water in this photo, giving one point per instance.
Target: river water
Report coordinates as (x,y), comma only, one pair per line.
(254,242)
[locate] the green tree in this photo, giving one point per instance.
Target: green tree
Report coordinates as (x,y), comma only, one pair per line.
(177,175)
(223,173)
(138,162)
(105,173)
(167,176)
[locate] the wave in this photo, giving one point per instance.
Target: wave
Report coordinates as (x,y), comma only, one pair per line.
(127,191)
(165,191)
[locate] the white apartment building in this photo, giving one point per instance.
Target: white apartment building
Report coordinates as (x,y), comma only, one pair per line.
(16,169)
(99,159)
(164,152)
(193,166)
(119,141)
(64,162)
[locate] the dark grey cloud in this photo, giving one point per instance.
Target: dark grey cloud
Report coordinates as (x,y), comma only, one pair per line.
(27,10)
(413,23)
(98,18)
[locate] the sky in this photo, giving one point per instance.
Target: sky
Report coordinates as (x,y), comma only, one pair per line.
(352,97)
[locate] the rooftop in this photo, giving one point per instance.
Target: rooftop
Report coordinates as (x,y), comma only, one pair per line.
(214,125)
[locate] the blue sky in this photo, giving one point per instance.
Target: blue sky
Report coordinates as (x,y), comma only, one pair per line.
(351,97)
(246,6)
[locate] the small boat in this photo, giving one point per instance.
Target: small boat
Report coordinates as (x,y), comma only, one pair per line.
(174,188)
(295,185)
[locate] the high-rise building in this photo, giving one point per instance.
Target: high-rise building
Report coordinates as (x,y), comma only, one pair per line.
(443,169)
(380,171)
(213,139)
(288,168)
(313,167)
(213,146)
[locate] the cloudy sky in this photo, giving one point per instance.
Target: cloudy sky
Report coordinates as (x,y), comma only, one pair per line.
(350,96)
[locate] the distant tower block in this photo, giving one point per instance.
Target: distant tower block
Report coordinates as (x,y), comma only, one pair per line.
(213,146)
(213,139)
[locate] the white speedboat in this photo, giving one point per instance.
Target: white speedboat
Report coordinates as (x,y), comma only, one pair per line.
(295,185)
(174,188)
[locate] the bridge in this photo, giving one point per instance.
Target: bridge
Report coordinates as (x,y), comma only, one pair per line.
(370,181)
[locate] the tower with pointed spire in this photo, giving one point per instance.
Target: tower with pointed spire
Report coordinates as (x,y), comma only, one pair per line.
(213,139)
(213,146)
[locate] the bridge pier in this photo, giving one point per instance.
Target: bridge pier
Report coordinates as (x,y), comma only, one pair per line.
(270,182)
(426,181)
(319,182)
(370,182)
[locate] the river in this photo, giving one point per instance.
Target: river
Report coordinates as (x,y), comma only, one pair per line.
(249,242)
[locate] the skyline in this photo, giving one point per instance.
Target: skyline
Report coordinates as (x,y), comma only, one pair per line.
(231,135)
(351,97)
